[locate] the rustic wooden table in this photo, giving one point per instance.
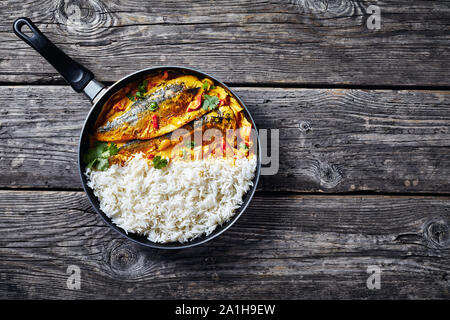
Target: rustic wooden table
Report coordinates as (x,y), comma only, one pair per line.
(364,122)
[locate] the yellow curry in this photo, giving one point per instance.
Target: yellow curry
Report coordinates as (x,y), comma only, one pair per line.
(170,116)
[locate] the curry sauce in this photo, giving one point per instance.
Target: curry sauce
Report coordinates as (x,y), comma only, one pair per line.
(175,117)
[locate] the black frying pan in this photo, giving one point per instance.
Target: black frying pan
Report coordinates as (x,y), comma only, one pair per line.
(82,80)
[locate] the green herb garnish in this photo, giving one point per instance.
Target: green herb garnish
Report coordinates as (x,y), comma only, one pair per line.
(153,106)
(130,97)
(159,162)
(98,156)
(210,102)
(191,144)
(243,146)
(212,87)
(205,85)
(143,87)
(140,95)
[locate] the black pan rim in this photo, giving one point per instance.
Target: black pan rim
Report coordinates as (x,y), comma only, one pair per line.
(93,199)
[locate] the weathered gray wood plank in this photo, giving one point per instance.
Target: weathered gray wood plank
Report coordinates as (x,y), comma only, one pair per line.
(330,140)
(287,247)
(276,41)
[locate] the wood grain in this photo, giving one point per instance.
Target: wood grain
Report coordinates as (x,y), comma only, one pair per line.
(277,41)
(330,140)
(287,247)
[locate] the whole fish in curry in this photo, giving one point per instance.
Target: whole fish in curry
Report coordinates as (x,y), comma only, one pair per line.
(170,117)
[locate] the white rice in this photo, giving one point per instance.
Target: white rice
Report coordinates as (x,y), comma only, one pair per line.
(178,203)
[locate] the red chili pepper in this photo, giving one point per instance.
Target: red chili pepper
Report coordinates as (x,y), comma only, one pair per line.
(224,145)
(165,75)
(155,122)
(195,104)
(225,101)
(150,156)
(120,105)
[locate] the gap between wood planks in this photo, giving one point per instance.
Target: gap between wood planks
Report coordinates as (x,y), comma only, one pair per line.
(269,85)
(280,194)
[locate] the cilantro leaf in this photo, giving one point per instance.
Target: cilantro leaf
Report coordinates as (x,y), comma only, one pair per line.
(159,163)
(143,87)
(113,149)
(210,102)
(205,85)
(102,164)
(140,95)
(91,163)
(243,146)
(95,152)
(98,156)
(153,106)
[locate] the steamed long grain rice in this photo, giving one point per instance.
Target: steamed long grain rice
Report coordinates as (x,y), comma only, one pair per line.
(178,203)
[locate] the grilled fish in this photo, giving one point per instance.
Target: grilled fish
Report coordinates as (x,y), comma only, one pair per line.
(138,121)
(183,143)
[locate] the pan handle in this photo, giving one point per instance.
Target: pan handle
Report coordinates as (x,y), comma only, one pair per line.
(79,78)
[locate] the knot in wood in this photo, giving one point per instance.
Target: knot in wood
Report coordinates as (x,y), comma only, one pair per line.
(438,234)
(329,8)
(329,175)
(314,6)
(84,17)
(125,259)
(305,126)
